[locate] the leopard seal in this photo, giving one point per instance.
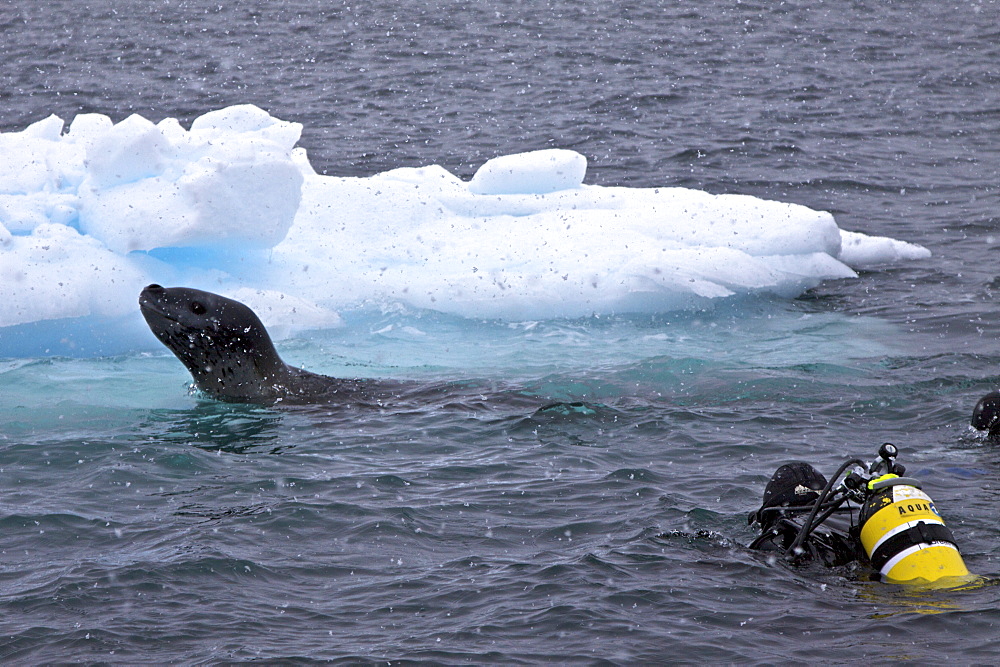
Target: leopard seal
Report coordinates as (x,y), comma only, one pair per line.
(229,353)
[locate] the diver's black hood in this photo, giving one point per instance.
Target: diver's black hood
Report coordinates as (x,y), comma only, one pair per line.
(794,484)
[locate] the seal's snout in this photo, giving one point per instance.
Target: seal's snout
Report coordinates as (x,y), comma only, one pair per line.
(151,300)
(150,293)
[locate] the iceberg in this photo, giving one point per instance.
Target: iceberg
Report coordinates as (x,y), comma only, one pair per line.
(91,213)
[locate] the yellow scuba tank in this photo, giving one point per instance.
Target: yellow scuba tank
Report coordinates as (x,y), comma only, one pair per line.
(903,534)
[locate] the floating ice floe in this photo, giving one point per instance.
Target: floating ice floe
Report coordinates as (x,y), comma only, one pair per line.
(90,215)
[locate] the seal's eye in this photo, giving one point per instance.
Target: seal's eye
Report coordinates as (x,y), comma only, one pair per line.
(197,308)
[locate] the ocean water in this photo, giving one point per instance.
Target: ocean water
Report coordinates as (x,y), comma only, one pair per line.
(580,491)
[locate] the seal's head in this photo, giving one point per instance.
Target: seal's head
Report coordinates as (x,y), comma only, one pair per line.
(986,415)
(221,341)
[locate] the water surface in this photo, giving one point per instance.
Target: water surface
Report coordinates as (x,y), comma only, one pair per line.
(139,523)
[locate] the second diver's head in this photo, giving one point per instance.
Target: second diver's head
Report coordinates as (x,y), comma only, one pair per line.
(986,415)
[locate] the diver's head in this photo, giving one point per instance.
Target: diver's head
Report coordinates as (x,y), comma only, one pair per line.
(986,415)
(795,484)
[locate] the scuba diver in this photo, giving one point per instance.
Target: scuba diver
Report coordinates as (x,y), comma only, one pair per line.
(986,415)
(897,530)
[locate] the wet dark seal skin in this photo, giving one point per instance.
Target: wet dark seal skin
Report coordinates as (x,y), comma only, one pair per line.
(229,352)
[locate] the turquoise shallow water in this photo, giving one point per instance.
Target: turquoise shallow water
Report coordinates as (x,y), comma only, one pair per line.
(140,523)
